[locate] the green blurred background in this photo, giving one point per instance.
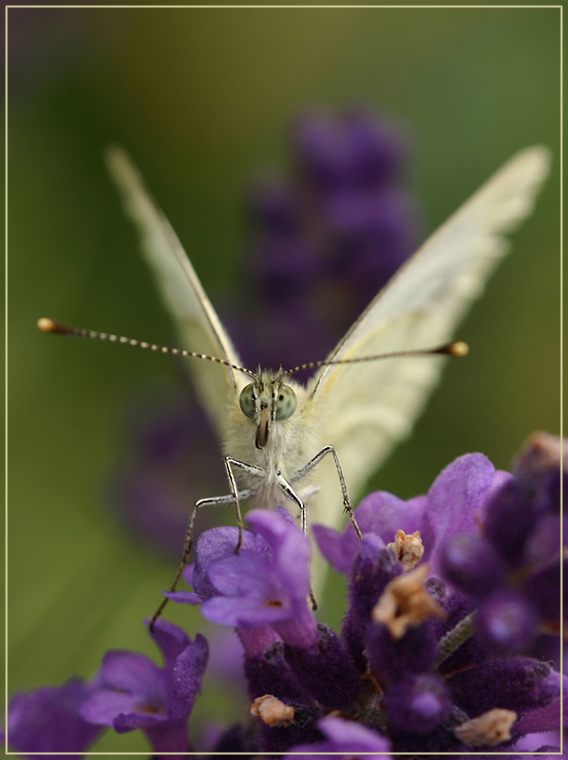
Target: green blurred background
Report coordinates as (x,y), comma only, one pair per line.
(203,98)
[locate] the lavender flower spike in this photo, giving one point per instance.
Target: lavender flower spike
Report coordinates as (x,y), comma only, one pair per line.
(400,677)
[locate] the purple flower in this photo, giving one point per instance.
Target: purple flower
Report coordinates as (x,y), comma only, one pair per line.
(516,683)
(265,584)
(514,556)
(49,719)
(511,566)
(380,514)
(469,562)
(374,566)
(393,660)
(342,736)
(360,151)
(453,504)
(131,691)
(457,500)
(507,622)
(421,665)
(417,704)
(450,520)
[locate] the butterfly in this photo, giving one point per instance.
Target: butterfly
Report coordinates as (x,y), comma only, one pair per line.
(275,432)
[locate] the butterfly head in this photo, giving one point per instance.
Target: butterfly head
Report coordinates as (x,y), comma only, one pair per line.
(267,400)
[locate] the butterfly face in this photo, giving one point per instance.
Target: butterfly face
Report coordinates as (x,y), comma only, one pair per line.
(265,401)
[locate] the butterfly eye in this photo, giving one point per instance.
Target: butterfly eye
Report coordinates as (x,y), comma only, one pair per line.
(247,401)
(285,402)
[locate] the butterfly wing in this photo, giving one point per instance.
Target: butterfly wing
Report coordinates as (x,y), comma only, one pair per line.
(367,408)
(198,325)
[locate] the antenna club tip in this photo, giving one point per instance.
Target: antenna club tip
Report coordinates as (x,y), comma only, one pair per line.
(459,348)
(47,325)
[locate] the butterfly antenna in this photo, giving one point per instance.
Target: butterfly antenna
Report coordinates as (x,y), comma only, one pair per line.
(458,349)
(49,326)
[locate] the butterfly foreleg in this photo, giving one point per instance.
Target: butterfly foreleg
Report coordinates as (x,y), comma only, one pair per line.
(346,501)
(188,543)
(287,489)
(250,469)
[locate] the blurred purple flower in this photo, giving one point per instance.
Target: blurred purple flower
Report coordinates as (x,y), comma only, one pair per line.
(342,736)
(48,719)
(172,460)
(360,151)
(326,239)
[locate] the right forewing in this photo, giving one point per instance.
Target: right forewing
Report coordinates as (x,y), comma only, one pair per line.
(368,407)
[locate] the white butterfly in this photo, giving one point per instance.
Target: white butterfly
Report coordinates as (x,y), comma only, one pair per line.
(275,431)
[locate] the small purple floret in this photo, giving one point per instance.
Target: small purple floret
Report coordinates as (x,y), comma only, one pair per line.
(373,567)
(506,623)
(391,660)
(417,704)
(265,584)
(516,683)
(325,670)
(342,736)
(131,691)
(470,563)
(49,719)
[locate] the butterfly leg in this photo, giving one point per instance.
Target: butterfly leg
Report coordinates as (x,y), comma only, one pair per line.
(188,543)
(286,488)
(250,469)
(346,501)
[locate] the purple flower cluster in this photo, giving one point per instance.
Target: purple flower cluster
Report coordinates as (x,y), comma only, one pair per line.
(338,224)
(432,655)
(511,570)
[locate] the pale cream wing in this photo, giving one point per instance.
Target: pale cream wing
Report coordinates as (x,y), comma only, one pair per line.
(198,325)
(367,408)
